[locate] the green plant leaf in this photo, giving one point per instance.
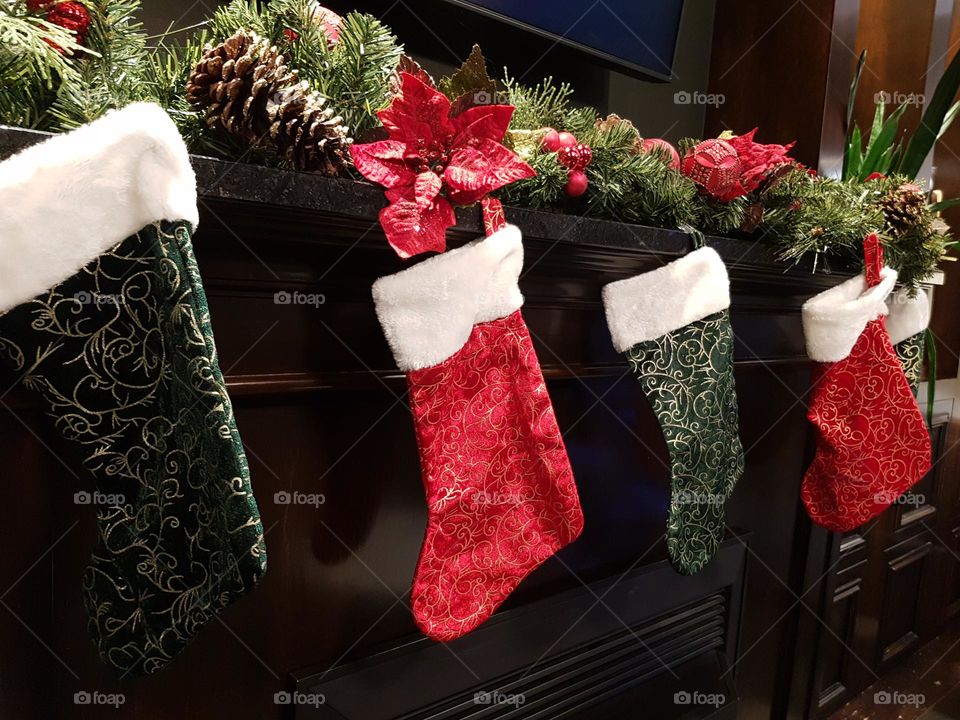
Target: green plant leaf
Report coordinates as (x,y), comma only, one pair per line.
(944,205)
(854,155)
(854,87)
(931,124)
(948,119)
(881,141)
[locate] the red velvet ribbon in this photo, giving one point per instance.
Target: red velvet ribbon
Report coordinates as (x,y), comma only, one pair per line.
(872,259)
(493,217)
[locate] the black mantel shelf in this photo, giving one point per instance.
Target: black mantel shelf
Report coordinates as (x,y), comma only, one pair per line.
(305,192)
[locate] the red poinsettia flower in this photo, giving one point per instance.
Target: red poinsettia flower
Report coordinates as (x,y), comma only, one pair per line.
(432,160)
(756,161)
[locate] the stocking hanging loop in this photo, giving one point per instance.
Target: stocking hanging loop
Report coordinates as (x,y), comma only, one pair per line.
(872,259)
(697,238)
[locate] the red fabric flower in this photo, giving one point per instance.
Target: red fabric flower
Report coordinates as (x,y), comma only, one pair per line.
(432,160)
(756,161)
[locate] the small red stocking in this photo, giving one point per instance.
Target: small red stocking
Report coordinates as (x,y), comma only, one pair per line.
(872,442)
(499,488)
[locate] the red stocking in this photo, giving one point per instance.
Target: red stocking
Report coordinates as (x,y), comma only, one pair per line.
(872,442)
(499,488)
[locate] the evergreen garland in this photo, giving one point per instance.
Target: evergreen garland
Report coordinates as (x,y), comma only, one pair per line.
(353,74)
(803,216)
(46,89)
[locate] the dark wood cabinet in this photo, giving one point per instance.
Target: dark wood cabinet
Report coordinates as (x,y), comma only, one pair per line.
(888,588)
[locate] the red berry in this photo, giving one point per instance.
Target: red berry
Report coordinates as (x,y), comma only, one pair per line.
(291,35)
(576,184)
(576,157)
(71,16)
(566,139)
(551,140)
(37,5)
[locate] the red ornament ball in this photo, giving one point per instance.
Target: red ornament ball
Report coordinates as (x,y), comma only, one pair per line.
(713,165)
(576,183)
(328,20)
(566,139)
(575,157)
(668,151)
(551,140)
(70,16)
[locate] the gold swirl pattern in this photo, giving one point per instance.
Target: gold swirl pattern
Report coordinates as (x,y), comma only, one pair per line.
(499,488)
(872,442)
(687,376)
(910,354)
(123,358)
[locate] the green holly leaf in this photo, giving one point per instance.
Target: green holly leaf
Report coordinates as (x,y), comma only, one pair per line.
(470,85)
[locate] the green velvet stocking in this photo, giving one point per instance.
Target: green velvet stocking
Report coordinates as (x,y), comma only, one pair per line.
(687,375)
(123,359)
(910,352)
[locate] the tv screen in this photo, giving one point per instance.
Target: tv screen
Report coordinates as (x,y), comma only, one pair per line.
(638,35)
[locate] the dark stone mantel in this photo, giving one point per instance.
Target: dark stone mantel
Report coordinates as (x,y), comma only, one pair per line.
(306,193)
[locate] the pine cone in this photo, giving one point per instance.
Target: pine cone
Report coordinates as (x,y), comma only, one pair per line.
(246,89)
(307,134)
(903,209)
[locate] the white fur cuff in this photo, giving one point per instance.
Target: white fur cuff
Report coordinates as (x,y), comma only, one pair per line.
(71,198)
(834,319)
(650,305)
(907,315)
(428,311)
